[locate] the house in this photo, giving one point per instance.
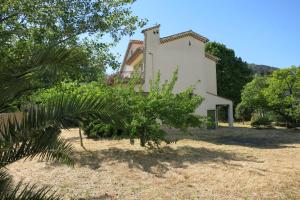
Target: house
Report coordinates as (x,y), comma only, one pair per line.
(184,51)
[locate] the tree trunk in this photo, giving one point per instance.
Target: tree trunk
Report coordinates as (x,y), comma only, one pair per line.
(81,141)
(143,137)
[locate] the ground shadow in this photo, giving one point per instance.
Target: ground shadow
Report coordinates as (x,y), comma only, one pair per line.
(249,137)
(159,163)
(101,197)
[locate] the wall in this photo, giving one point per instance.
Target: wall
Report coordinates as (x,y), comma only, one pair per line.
(187,54)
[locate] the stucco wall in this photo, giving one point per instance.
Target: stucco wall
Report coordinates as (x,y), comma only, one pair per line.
(187,54)
(194,69)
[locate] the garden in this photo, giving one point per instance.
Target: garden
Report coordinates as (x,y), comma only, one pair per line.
(68,130)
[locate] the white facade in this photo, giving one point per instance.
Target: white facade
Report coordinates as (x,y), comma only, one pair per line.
(184,51)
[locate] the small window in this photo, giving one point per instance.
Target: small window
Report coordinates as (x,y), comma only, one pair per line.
(190,44)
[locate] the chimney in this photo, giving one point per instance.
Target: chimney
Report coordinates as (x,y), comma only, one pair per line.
(152,37)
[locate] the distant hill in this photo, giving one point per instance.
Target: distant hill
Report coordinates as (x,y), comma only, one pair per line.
(262,69)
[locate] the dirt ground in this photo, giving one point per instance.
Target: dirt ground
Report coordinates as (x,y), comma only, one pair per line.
(227,163)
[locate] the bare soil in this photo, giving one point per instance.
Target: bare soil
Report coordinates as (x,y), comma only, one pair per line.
(227,163)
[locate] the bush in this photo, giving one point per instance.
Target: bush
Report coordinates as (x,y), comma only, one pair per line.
(99,129)
(260,121)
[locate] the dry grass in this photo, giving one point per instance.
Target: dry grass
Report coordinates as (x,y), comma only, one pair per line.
(238,163)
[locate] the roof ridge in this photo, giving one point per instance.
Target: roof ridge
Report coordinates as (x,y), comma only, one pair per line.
(136,41)
(181,34)
(147,29)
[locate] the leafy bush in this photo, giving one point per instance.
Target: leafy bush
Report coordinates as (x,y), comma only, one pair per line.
(98,129)
(259,121)
(138,115)
(243,112)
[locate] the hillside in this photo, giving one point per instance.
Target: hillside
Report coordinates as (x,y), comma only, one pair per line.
(262,69)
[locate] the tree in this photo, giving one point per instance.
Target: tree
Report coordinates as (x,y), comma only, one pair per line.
(232,72)
(142,114)
(283,93)
(243,112)
(278,94)
(36,132)
(27,26)
(40,39)
(162,107)
(253,97)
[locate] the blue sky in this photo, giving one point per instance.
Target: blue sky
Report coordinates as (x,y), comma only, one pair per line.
(260,31)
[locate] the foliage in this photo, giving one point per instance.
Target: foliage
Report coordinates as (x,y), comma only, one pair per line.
(160,107)
(143,114)
(242,112)
(232,72)
(252,96)
(27,26)
(258,121)
(283,93)
(99,129)
(37,132)
(42,43)
(279,93)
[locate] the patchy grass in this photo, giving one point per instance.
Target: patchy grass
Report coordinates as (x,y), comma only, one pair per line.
(227,163)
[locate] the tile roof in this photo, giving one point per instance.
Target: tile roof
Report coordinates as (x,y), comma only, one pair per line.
(184,34)
(137,41)
(165,40)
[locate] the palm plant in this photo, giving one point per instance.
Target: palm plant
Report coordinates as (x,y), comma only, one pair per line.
(37,133)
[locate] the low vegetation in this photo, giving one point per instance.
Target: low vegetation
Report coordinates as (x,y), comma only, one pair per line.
(142,115)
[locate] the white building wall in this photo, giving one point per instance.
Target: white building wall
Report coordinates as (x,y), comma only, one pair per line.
(187,54)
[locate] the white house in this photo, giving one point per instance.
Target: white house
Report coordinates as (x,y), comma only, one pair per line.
(184,51)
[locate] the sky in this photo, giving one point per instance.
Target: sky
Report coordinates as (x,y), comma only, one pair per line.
(259,31)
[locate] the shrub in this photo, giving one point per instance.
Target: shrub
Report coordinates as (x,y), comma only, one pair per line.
(259,121)
(99,129)
(136,114)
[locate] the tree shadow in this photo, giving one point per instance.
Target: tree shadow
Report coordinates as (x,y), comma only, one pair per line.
(248,137)
(101,197)
(158,163)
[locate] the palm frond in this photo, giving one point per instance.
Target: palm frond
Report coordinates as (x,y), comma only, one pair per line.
(17,143)
(37,133)
(17,80)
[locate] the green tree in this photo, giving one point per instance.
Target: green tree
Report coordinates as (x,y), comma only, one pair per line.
(278,95)
(243,112)
(283,93)
(27,26)
(143,115)
(162,107)
(232,72)
(253,97)
(35,132)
